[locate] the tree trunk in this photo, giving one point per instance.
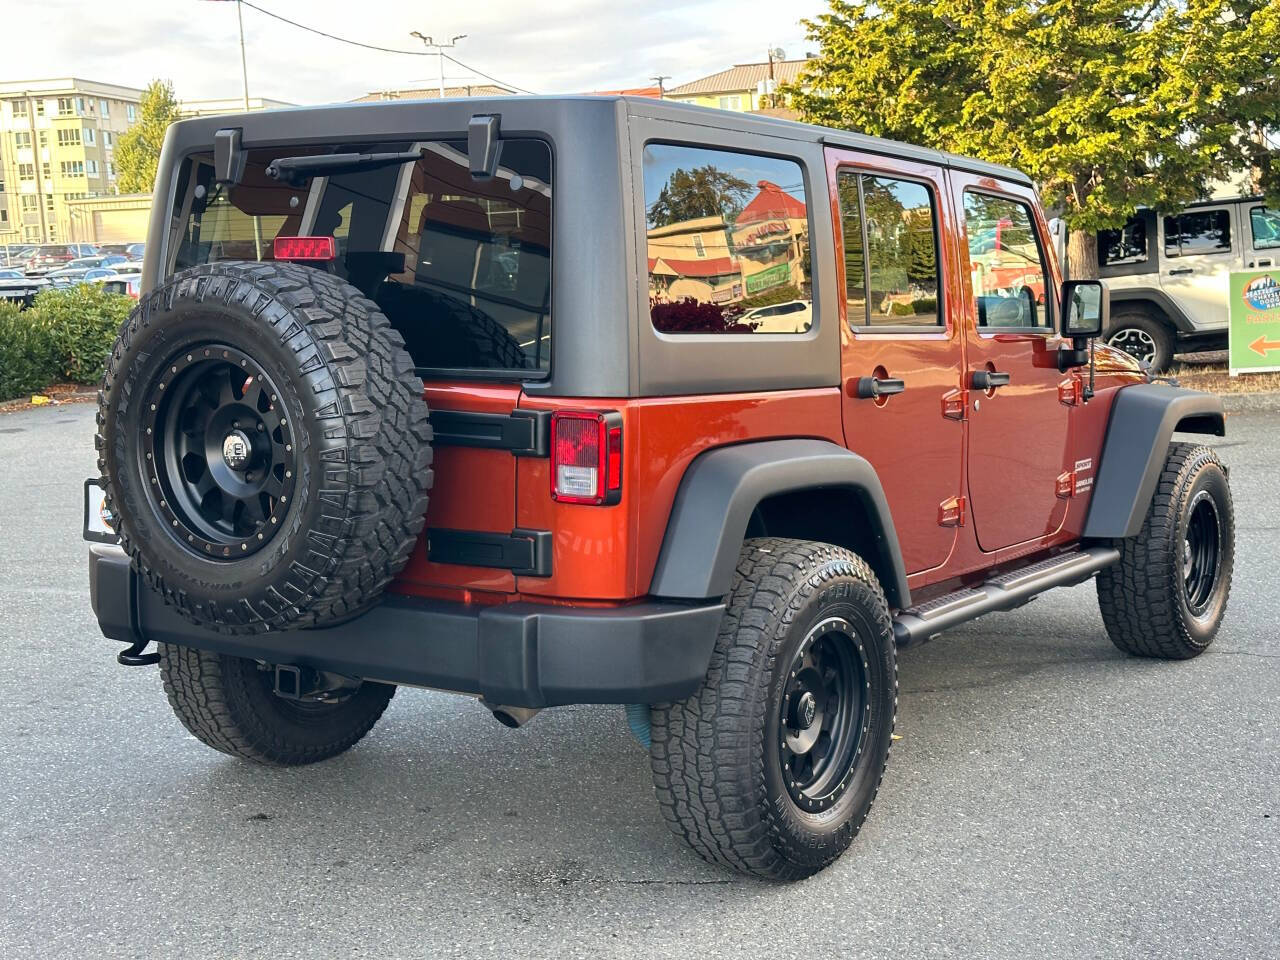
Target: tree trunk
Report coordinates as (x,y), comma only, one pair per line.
(1082,255)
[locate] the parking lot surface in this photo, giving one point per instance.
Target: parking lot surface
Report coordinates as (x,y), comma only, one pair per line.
(1049,796)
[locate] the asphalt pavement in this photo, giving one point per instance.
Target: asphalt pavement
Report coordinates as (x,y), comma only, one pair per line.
(1049,797)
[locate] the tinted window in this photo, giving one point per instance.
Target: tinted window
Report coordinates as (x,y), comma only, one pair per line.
(461,267)
(855,261)
(1265,227)
(1126,245)
(1194,234)
(727,235)
(1006,262)
(901,252)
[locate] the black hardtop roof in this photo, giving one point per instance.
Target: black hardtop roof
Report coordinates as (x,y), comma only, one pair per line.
(637,106)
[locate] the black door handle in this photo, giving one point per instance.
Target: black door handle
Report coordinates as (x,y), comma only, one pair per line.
(990,379)
(1181,272)
(871,387)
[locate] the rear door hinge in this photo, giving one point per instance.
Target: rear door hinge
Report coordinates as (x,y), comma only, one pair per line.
(951,512)
(1065,486)
(955,403)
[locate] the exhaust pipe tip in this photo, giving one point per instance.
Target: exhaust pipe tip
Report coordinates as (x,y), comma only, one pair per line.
(511,717)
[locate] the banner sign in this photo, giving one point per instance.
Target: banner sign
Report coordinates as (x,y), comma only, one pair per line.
(1254,317)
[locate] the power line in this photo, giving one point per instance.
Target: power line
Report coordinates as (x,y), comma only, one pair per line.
(500,83)
(370,46)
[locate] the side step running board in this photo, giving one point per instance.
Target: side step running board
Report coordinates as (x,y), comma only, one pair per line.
(1009,590)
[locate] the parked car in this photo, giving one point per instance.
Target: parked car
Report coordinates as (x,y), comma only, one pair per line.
(13,256)
(423,456)
(17,287)
(132,251)
(50,256)
(792,316)
(1168,274)
(130,285)
(69,276)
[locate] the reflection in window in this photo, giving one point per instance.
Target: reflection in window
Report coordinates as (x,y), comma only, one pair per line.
(1265,226)
(728,242)
(1125,245)
(855,264)
(1005,261)
(1195,234)
(902,252)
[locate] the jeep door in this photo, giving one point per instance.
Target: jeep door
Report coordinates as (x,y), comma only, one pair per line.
(1017,424)
(901,343)
(1200,248)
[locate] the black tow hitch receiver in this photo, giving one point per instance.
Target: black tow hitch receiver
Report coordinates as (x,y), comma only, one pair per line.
(304,683)
(132,655)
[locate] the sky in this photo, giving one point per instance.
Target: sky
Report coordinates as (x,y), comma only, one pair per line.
(545,46)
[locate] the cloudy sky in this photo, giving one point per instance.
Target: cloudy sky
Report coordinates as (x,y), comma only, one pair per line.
(546,46)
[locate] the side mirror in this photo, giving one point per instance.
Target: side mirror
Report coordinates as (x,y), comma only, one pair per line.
(1086,307)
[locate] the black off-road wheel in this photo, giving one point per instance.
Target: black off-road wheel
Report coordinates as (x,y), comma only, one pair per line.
(772,765)
(228,703)
(265,446)
(1167,595)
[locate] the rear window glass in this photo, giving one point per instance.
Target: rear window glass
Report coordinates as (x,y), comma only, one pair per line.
(1128,244)
(728,242)
(1195,234)
(462,268)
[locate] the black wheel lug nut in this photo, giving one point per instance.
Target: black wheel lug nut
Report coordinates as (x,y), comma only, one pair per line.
(261,427)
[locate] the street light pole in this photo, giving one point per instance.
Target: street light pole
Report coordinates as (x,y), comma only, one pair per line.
(661,90)
(439,48)
(244,63)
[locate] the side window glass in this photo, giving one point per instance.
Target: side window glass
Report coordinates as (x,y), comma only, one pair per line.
(902,252)
(1126,245)
(728,242)
(855,261)
(1197,233)
(1265,227)
(1006,262)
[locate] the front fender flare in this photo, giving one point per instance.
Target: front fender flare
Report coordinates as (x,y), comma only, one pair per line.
(722,487)
(1144,418)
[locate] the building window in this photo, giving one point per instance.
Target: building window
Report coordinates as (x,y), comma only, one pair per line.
(45,171)
(26,171)
(1,183)
(111,170)
(72,168)
(104,109)
(44,139)
(108,140)
(4,215)
(90,137)
(80,105)
(728,242)
(22,139)
(65,107)
(29,203)
(39,108)
(93,168)
(68,138)
(19,108)
(131,112)
(731,103)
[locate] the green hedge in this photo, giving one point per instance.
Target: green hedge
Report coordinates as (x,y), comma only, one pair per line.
(65,335)
(28,358)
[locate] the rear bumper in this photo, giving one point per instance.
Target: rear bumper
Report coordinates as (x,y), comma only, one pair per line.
(517,654)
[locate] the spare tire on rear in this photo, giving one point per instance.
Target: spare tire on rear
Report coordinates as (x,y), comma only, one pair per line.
(265,446)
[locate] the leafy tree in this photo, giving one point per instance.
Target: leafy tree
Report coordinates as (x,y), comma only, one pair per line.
(1108,105)
(700,192)
(138,148)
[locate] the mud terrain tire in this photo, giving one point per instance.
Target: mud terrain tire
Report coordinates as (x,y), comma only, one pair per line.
(335,436)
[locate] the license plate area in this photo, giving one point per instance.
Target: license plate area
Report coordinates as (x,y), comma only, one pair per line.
(98,522)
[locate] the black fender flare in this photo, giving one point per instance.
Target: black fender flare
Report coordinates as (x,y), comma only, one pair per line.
(723,486)
(1144,418)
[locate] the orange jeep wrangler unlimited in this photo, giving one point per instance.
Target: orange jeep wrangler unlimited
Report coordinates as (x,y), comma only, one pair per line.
(603,400)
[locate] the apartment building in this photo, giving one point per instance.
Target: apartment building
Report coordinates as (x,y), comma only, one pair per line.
(57,143)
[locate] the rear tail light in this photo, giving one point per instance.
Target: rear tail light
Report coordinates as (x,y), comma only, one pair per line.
(586,457)
(304,248)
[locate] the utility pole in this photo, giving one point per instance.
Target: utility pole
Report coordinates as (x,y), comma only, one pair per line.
(439,48)
(660,78)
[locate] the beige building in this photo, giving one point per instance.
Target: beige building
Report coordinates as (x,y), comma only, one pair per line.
(433,93)
(746,87)
(57,143)
(221,105)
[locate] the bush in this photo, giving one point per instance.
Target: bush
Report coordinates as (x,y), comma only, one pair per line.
(82,322)
(688,315)
(28,358)
(925,305)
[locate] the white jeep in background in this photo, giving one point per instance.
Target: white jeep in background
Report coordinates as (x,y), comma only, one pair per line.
(1168,274)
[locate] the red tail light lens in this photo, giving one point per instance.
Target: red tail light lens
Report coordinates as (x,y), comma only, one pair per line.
(304,248)
(586,457)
